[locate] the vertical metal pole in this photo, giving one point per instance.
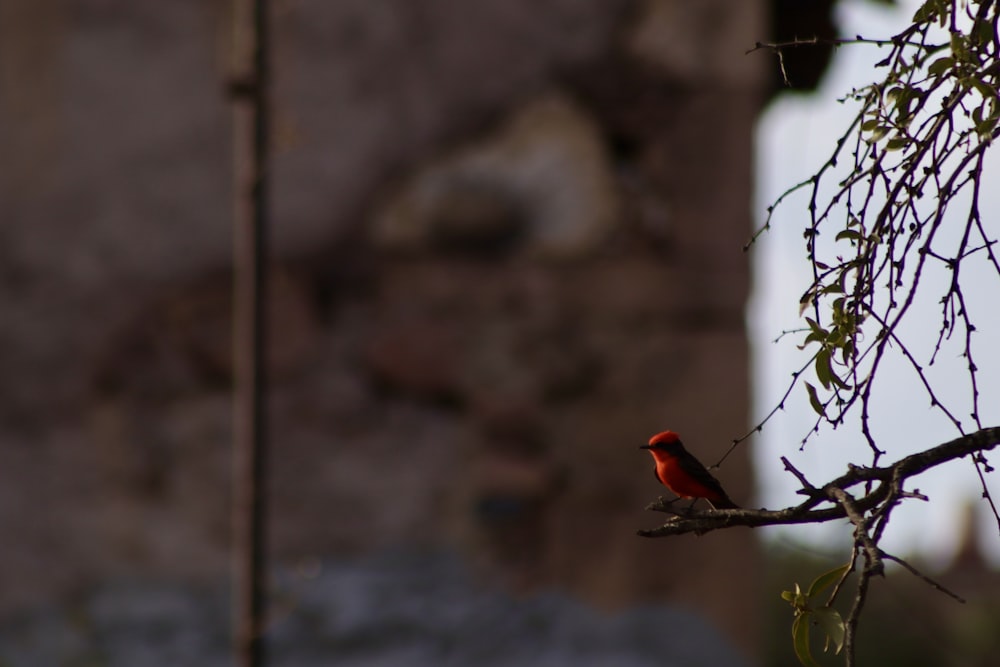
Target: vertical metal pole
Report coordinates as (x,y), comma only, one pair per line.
(248,89)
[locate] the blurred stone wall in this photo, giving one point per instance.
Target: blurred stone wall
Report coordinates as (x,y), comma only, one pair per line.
(507,240)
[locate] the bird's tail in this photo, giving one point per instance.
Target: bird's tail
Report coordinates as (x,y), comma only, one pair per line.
(723,503)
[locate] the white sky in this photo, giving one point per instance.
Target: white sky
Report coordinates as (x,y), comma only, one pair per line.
(795,136)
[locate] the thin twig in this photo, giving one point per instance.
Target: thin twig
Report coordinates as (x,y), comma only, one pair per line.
(807,488)
(917,573)
(843,577)
(851,623)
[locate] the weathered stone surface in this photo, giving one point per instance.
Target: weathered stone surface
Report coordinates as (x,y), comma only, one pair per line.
(416,356)
(542,184)
(437,378)
(702,42)
(394,609)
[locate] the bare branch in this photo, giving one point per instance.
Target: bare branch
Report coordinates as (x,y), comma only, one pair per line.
(851,622)
(915,149)
(873,558)
(703,521)
(914,571)
(843,578)
(808,488)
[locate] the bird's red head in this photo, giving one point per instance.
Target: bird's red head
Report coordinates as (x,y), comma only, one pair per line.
(665,440)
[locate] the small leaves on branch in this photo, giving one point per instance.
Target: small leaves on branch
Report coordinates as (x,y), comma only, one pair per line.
(809,612)
(893,223)
(913,151)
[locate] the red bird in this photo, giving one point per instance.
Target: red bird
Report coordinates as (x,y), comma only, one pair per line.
(683,474)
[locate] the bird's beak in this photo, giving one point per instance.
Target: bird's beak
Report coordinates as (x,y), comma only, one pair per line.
(645,447)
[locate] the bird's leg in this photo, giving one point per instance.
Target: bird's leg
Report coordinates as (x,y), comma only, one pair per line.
(681,511)
(667,505)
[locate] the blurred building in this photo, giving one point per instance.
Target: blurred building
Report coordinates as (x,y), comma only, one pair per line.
(507,248)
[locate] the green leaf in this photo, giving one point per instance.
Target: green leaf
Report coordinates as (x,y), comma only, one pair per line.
(830,621)
(982,31)
(941,65)
(811,338)
(837,380)
(800,640)
(986,127)
(896,143)
(926,12)
(827,579)
(847,351)
(824,373)
(878,133)
(985,120)
(869,125)
(842,280)
(960,47)
(851,234)
(986,90)
(942,12)
(799,602)
(814,400)
(816,328)
(807,300)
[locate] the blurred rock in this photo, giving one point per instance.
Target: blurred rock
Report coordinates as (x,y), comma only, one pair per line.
(420,357)
(182,342)
(543,179)
(397,609)
(506,239)
(704,41)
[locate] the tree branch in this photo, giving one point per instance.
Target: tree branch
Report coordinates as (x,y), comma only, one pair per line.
(873,557)
(917,573)
(700,522)
(851,622)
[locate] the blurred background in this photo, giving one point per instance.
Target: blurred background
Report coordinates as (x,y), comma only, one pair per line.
(506,249)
